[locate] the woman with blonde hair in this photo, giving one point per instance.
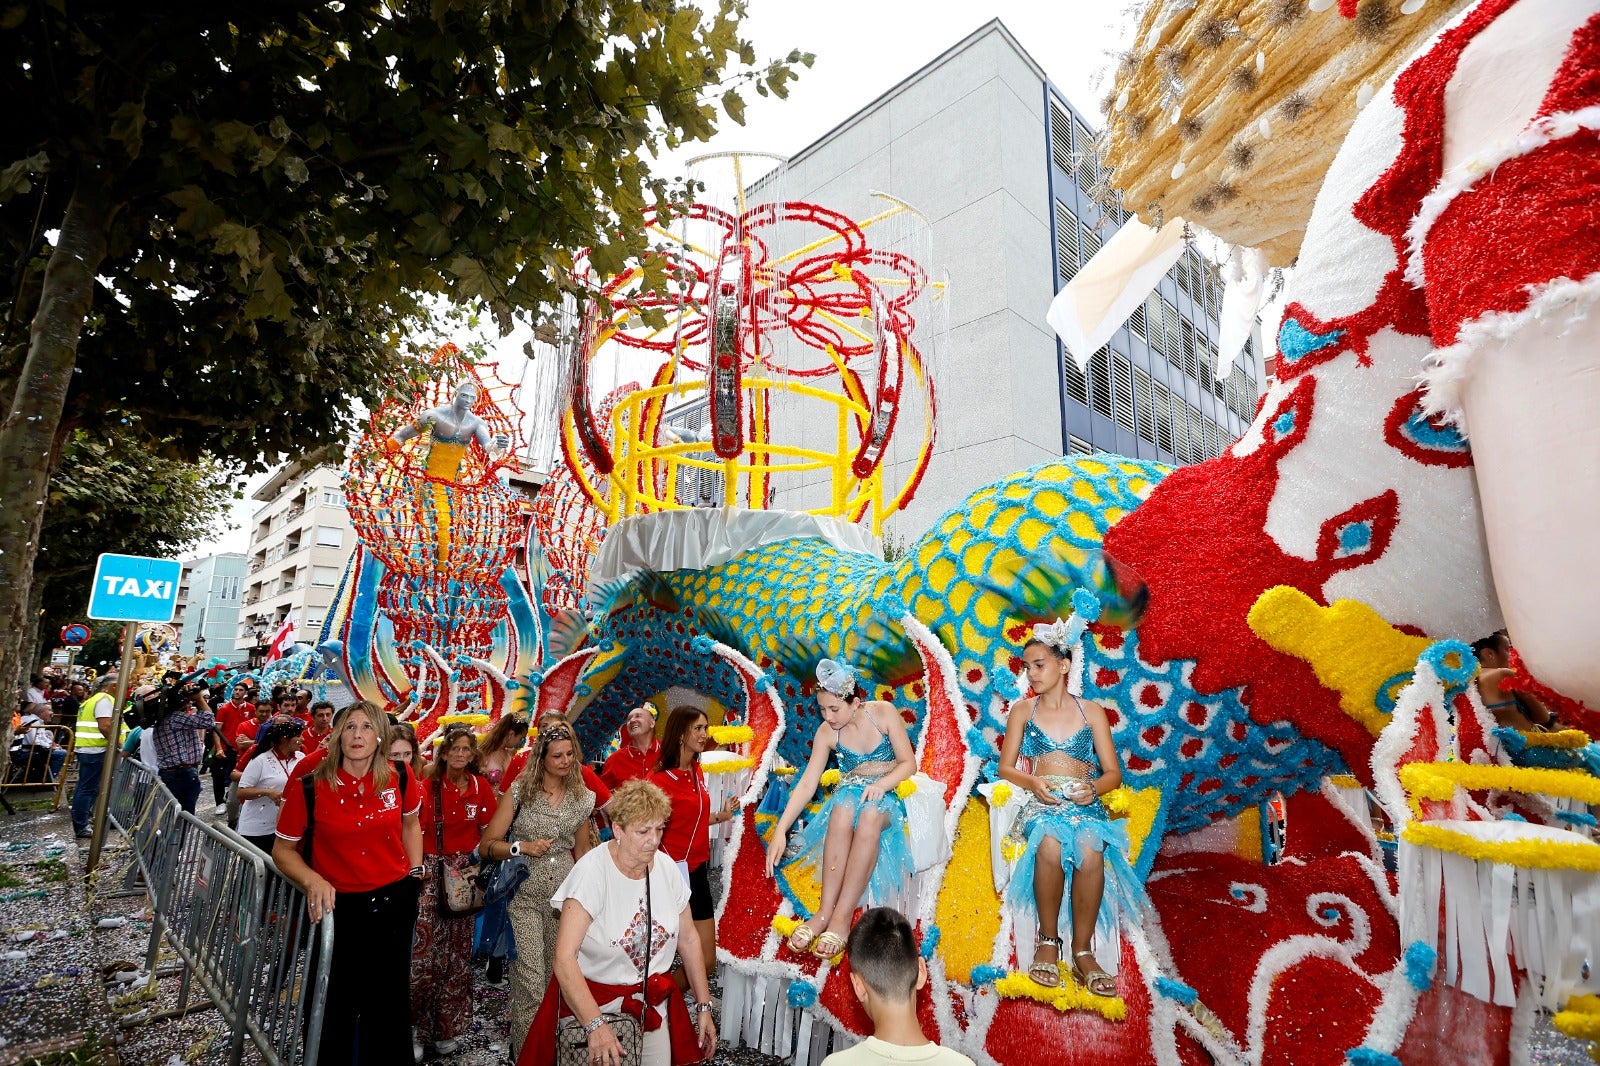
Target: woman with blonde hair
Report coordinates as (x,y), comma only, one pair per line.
(349,836)
(624,916)
(542,821)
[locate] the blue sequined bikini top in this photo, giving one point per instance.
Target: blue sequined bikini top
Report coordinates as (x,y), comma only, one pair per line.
(1079,746)
(850,759)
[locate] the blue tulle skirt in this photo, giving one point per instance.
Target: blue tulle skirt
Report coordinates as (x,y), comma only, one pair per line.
(894,866)
(1079,829)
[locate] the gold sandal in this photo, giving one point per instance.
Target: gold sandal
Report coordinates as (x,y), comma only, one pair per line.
(802,938)
(1095,982)
(829,946)
(1046,974)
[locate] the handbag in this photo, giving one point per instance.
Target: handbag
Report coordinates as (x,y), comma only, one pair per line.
(460,892)
(572,1043)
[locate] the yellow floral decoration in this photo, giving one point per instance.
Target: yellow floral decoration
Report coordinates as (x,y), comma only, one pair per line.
(1438,780)
(1580,1019)
(463,719)
(905,788)
(968,908)
(732,734)
(1069,995)
(830,778)
(727,766)
(1000,795)
(1578,854)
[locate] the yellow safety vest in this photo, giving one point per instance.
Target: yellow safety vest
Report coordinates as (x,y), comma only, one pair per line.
(87,735)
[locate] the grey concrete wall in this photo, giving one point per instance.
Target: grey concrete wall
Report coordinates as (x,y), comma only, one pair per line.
(964,143)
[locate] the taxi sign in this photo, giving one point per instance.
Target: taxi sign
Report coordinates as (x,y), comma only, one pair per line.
(134,588)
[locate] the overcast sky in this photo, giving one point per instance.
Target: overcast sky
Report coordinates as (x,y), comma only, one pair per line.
(862,48)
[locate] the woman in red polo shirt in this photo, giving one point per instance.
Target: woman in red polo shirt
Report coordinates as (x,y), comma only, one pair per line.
(639,754)
(688,837)
(457,803)
(364,842)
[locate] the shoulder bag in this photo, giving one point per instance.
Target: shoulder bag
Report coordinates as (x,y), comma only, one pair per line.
(460,892)
(572,1043)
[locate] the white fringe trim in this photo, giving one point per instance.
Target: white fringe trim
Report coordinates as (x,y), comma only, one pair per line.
(1540,132)
(1445,369)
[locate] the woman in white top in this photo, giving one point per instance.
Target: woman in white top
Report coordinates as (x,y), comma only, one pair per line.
(266,775)
(623,906)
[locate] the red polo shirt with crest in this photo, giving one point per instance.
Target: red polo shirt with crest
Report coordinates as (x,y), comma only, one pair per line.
(357,845)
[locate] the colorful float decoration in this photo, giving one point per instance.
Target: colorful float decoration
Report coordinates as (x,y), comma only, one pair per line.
(807,337)
(430,620)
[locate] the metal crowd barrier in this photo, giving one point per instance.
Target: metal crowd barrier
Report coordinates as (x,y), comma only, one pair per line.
(238,925)
(29,768)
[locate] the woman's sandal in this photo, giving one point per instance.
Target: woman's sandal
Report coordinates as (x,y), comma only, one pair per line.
(829,945)
(802,938)
(1097,982)
(1047,974)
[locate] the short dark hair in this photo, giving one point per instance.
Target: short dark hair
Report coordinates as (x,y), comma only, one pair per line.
(1495,642)
(1047,646)
(322,703)
(883,951)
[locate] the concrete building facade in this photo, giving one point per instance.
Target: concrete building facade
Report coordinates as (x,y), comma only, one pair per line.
(999,165)
(300,538)
(209,596)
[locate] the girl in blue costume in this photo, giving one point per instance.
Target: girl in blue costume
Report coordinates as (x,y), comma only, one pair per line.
(1072,850)
(857,839)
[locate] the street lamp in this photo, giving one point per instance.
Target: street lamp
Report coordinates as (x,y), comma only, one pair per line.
(199,645)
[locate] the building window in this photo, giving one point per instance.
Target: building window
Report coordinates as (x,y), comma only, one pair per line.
(1100,381)
(1078,446)
(1163,415)
(330,537)
(1066,242)
(1122,391)
(314,625)
(1077,382)
(324,575)
(1088,243)
(1180,430)
(1060,137)
(1142,398)
(1136,322)
(1088,166)
(332,498)
(1152,323)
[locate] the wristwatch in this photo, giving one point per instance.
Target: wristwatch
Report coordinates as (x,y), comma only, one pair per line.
(599,1020)
(516,849)
(702,1008)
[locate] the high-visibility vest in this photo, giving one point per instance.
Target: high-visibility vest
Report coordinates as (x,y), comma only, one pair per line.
(87,735)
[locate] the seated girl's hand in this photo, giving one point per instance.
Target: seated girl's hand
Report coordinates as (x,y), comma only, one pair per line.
(873,793)
(775,849)
(1041,789)
(1081,793)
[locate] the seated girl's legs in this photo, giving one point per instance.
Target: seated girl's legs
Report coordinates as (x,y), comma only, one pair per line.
(1088,886)
(1049,881)
(835,852)
(858,864)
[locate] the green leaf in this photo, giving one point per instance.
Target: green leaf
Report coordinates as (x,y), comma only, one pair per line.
(127,126)
(733,104)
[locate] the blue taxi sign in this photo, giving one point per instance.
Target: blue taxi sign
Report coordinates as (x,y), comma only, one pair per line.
(134,588)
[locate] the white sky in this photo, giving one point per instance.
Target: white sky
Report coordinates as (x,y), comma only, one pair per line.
(863,48)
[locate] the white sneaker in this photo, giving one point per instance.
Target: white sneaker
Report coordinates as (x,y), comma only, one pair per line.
(446,1047)
(416,1052)
(222,808)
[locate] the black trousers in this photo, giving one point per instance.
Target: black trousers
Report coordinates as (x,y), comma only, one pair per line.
(367,1017)
(221,769)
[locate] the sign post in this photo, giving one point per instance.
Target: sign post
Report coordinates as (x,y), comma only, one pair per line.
(128,589)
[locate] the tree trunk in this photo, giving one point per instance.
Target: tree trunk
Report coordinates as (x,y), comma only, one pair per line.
(30,640)
(28,437)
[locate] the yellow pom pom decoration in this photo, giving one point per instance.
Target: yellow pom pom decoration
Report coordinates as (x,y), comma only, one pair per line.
(1069,995)
(463,719)
(1118,800)
(784,924)
(732,734)
(727,766)
(1000,795)
(830,778)
(905,788)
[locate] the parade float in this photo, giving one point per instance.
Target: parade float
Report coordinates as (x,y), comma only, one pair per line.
(1343,860)
(430,618)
